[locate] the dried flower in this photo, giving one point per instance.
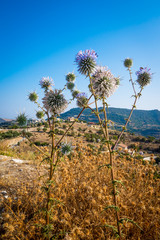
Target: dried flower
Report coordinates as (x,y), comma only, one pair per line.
(103,82)
(128,62)
(40,114)
(33,97)
(54,101)
(86,61)
(143,76)
(46,82)
(82,99)
(70,77)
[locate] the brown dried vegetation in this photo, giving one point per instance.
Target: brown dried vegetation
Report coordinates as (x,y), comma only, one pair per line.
(80,193)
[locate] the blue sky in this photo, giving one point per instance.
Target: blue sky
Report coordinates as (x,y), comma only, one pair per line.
(41,38)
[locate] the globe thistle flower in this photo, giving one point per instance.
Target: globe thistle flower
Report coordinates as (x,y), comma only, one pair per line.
(33,97)
(70,85)
(66,148)
(46,82)
(82,99)
(103,82)
(70,77)
(40,114)
(54,101)
(75,93)
(86,61)
(143,76)
(128,62)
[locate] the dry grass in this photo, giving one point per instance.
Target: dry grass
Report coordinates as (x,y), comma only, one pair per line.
(79,195)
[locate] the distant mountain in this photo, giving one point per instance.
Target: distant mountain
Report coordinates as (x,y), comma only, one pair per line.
(4,120)
(143,122)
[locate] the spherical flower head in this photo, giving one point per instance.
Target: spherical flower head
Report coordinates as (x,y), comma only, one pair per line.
(86,61)
(104,83)
(70,77)
(143,76)
(66,148)
(128,62)
(33,97)
(82,99)
(75,93)
(70,85)
(40,114)
(46,82)
(54,101)
(21,119)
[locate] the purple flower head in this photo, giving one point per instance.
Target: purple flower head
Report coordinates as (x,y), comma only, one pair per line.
(143,76)
(82,94)
(46,82)
(86,54)
(86,61)
(143,70)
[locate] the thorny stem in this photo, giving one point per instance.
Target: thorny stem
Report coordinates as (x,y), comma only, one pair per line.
(111,154)
(131,80)
(52,160)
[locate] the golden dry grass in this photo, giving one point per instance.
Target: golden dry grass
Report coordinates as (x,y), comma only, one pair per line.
(80,193)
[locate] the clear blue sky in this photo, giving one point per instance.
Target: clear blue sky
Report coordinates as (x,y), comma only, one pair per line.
(41,38)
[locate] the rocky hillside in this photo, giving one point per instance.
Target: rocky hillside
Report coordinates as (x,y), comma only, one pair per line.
(143,122)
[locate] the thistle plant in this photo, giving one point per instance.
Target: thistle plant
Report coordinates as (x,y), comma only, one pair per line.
(102,85)
(54,103)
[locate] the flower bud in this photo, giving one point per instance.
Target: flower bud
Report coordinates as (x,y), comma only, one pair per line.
(39,114)
(128,62)
(33,97)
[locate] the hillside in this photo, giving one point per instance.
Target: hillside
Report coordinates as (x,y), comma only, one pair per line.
(143,122)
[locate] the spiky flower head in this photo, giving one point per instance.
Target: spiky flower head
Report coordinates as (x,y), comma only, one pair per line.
(33,96)
(86,61)
(75,93)
(128,62)
(46,82)
(66,148)
(104,83)
(143,76)
(40,114)
(82,99)
(70,85)
(70,77)
(21,119)
(54,101)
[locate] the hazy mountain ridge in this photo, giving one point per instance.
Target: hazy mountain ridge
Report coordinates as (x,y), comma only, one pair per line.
(143,122)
